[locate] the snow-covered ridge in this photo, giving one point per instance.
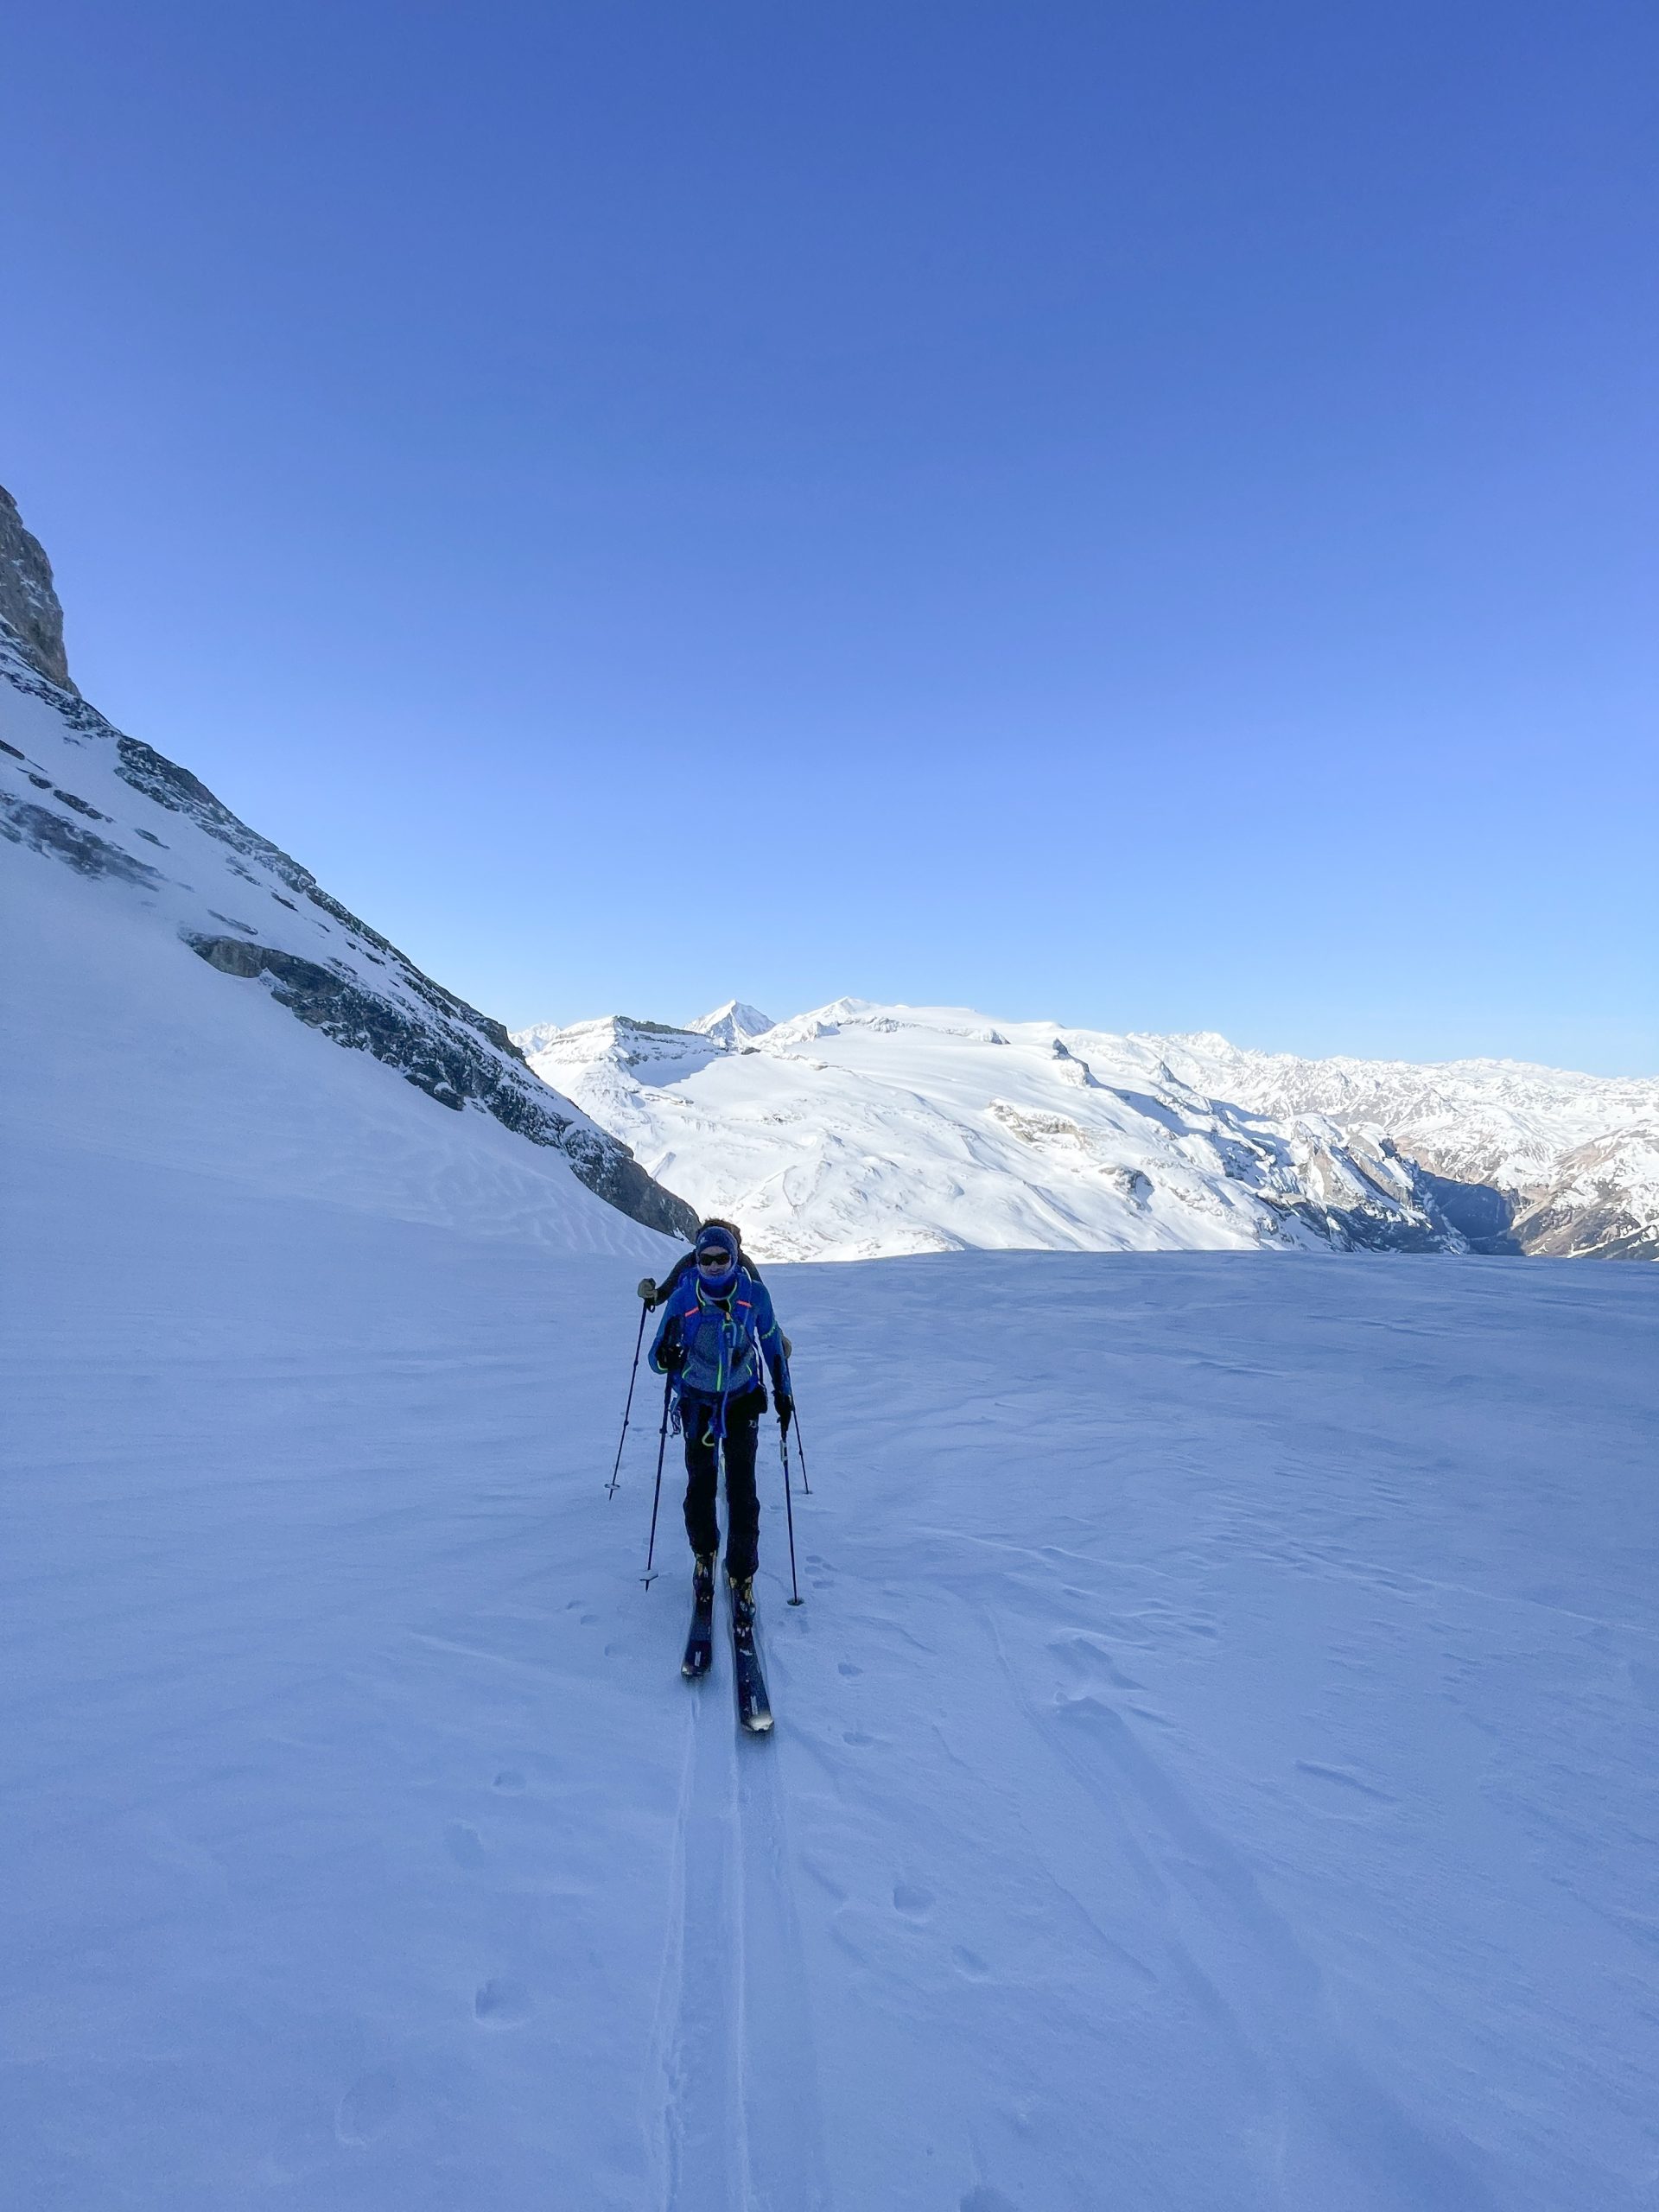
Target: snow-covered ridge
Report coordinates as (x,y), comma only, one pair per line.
(858,1130)
(854,1130)
(149,845)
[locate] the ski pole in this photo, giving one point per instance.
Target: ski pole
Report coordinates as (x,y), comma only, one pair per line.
(806,1487)
(632,1374)
(656,1495)
(789,1510)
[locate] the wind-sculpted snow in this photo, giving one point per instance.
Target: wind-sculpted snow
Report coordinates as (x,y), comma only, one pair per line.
(1215,1761)
(168,857)
(860,1130)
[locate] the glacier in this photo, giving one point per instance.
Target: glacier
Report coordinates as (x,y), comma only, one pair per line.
(860,1130)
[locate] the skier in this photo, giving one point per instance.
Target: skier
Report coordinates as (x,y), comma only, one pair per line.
(717,1327)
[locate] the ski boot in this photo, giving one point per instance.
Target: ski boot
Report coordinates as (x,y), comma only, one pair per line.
(753,1707)
(700,1641)
(742,1594)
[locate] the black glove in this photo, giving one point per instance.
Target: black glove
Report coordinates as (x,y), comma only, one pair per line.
(785,1406)
(670,1356)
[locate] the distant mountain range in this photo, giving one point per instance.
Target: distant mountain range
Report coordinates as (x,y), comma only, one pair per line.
(1528,1159)
(857,1130)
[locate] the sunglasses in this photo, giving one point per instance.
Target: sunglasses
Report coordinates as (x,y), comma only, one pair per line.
(715,1261)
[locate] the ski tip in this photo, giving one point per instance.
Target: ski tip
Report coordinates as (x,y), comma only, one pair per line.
(760,1726)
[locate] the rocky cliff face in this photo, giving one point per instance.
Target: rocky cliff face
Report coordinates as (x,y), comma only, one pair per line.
(29,601)
(107,806)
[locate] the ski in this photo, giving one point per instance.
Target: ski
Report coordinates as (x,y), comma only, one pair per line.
(754,1706)
(700,1641)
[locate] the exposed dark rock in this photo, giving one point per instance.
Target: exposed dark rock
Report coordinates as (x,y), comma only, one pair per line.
(88,853)
(175,788)
(28,602)
(79,805)
(1479,1211)
(453,1067)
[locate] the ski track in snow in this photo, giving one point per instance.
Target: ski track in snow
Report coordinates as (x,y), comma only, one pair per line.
(1214,1762)
(732,2091)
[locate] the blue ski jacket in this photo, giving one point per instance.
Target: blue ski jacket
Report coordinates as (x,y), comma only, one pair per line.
(724,1340)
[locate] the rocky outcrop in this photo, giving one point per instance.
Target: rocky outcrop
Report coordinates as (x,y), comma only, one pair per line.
(211,873)
(457,1069)
(43,827)
(29,601)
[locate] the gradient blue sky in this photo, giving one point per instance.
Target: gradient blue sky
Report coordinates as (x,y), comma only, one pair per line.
(1137,513)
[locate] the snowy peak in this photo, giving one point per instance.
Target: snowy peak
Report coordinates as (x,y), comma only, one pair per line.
(732,1024)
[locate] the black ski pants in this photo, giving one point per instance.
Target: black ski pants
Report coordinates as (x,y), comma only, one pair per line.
(702,1479)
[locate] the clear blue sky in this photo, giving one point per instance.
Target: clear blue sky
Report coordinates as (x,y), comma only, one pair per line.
(1141,513)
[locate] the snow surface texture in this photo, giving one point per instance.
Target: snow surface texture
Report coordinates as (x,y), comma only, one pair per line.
(1215,1761)
(107,847)
(120,1046)
(860,1130)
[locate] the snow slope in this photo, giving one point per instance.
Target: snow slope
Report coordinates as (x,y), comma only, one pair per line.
(119,1046)
(860,1130)
(1215,1765)
(136,907)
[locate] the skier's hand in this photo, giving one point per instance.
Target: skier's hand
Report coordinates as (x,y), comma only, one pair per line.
(785,1406)
(670,1356)
(648,1290)
(788,1349)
